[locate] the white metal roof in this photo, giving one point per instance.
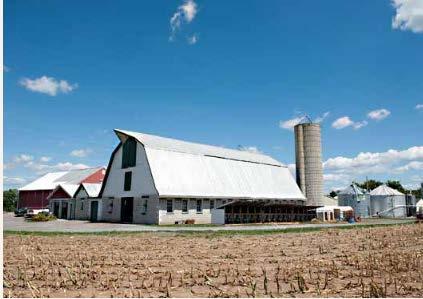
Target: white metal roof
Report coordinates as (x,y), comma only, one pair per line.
(93,190)
(419,203)
(49,181)
(331,208)
(182,169)
(385,190)
(175,145)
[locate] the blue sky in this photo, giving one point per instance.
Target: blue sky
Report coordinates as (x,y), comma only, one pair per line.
(218,73)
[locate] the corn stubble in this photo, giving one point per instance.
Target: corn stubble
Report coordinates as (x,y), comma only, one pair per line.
(373,262)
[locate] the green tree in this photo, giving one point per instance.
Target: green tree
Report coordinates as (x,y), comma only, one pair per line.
(396,185)
(369,184)
(10,200)
(333,194)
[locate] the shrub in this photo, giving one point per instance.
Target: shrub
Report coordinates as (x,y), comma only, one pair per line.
(40,217)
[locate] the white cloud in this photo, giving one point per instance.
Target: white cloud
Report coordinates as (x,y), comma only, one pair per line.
(291,123)
(45,159)
(372,159)
(63,166)
(14,180)
(342,122)
(22,158)
(335,177)
(185,13)
(414,165)
(250,149)
(345,121)
(409,15)
(80,153)
(419,106)
(378,114)
(320,119)
(192,40)
(48,85)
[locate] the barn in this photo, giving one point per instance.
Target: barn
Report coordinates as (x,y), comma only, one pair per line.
(152,179)
(34,195)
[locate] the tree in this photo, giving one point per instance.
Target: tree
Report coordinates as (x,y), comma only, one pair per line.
(396,185)
(10,200)
(369,184)
(333,194)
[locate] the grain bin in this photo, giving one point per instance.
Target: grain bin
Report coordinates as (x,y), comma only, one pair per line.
(356,198)
(385,201)
(308,159)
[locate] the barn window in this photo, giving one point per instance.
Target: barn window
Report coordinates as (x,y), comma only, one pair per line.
(211,204)
(184,206)
(128,181)
(169,206)
(129,153)
(199,206)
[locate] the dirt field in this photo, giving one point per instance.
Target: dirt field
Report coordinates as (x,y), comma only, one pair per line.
(375,262)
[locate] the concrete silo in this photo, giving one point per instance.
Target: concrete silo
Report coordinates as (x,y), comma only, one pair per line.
(308,159)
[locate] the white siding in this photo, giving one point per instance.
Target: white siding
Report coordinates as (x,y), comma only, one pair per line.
(142,182)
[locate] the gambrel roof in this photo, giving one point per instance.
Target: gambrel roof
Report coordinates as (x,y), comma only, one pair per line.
(185,169)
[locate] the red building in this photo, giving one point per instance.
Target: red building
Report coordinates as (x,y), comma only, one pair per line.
(34,195)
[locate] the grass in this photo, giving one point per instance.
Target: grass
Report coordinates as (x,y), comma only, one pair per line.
(205,233)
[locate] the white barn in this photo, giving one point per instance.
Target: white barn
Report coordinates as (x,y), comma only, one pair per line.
(159,180)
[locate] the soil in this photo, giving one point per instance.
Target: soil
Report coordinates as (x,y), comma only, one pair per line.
(365,262)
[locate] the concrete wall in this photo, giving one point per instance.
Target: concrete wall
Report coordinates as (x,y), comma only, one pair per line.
(205,217)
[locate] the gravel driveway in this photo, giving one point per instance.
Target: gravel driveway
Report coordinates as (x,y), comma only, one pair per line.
(12,223)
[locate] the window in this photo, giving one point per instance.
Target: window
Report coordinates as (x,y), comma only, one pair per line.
(211,204)
(169,206)
(199,206)
(82,205)
(144,210)
(129,153)
(128,181)
(184,206)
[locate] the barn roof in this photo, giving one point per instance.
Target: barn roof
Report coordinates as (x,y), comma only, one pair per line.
(185,169)
(51,180)
(352,189)
(70,189)
(174,145)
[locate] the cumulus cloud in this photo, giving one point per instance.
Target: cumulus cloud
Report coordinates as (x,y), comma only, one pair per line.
(346,169)
(13,180)
(80,153)
(192,40)
(45,159)
(48,85)
(345,121)
(408,15)
(378,114)
(367,159)
(291,123)
(250,149)
(23,158)
(185,13)
(419,107)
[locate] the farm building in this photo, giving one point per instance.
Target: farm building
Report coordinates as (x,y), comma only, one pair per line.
(385,201)
(34,195)
(356,198)
(71,201)
(152,179)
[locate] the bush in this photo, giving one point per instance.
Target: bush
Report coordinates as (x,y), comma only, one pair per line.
(41,217)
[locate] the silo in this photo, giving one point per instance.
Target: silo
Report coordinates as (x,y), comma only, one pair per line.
(385,201)
(354,197)
(308,159)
